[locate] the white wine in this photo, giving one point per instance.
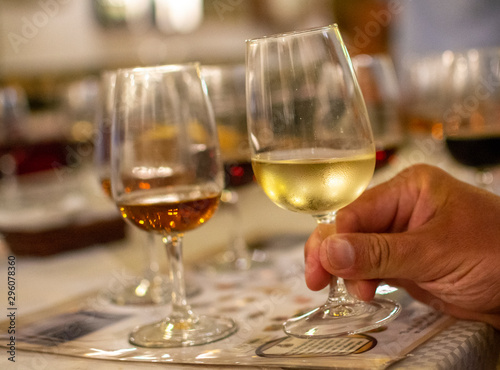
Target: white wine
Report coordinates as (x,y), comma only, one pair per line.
(311,185)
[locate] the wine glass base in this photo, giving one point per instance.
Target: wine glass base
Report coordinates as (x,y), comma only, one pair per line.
(228,262)
(170,333)
(142,292)
(347,318)
(147,292)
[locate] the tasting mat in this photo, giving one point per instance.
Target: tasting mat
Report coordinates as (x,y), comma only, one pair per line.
(259,300)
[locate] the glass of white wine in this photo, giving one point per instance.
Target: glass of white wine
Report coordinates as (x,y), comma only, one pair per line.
(313,152)
(167,178)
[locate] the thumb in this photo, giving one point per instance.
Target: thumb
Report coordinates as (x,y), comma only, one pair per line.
(362,256)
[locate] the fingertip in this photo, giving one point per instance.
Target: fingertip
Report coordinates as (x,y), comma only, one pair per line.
(316,277)
(362,289)
(367,289)
(312,244)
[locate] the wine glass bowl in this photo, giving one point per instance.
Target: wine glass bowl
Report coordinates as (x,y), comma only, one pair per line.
(167,179)
(150,287)
(426,90)
(472,119)
(313,152)
(226,89)
(102,141)
(379,85)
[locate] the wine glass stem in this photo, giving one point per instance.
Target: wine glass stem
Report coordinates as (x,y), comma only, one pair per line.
(151,266)
(484,178)
(237,241)
(338,293)
(181,311)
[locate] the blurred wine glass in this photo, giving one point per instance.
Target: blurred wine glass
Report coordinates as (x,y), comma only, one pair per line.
(472,119)
(226,90)
(14,110)
(80,104)
(379,85)
(424,92)
(167,179)
(150,287)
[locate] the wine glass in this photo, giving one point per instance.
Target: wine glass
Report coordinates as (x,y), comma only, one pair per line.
(14,110)
(425,80)
(313,152)
(377,80)
(166,178)
(226,89)
(472,119)
(150,287)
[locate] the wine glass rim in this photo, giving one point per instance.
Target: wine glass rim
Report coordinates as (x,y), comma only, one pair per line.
(108,72)
(161,68)
(223,66)
(332,26)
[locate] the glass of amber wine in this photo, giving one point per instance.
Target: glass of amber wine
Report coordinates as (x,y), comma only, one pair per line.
(151,287)
(166,178)
(313,152)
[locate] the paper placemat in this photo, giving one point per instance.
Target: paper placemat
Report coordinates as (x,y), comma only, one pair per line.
(259,300)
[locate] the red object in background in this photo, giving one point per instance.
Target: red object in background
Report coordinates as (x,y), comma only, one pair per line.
(384,156)
(42,156)
(238,174)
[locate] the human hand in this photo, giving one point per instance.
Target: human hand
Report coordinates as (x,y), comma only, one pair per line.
(424,231)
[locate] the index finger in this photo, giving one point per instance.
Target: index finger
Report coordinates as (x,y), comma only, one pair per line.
(384,208)
(316,276)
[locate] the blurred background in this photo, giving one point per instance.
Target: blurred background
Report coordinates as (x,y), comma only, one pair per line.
(52,53)
(414,63)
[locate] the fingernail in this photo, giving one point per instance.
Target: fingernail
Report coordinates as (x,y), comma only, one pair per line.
(340,253)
